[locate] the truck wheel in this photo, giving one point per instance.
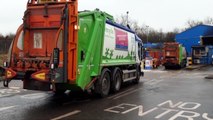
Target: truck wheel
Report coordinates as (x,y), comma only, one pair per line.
(185,63)
(138,75)
(59,92)
(116,80)
(102,85)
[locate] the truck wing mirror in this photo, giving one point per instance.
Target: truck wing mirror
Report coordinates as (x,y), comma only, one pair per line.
(56,54)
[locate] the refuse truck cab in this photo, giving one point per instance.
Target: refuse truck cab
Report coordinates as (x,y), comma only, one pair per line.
(58,48)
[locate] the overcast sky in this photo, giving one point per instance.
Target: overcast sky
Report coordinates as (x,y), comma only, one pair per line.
(158,14)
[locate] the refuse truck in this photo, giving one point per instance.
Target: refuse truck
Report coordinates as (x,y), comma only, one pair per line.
(174,55)
(58,48)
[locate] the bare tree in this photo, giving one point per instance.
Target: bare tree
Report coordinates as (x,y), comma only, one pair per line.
(5,42)
(193,23)
(1,36)
(208,20)
(125,20)
(147,34)
(122,19)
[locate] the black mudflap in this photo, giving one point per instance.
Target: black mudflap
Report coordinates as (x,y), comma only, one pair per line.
(32,84)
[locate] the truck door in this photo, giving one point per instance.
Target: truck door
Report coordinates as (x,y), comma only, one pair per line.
(42,23)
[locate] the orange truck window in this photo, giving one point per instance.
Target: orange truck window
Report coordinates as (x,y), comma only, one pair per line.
(20,41)
(60,40)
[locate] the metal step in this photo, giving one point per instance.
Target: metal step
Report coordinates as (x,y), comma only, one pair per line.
(129,75)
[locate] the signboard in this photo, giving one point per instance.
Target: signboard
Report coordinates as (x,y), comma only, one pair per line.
(167,53)
(37,40)
(121,39)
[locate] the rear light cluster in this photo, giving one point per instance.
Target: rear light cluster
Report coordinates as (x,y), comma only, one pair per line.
(41,75)
(10,73)
(52,66)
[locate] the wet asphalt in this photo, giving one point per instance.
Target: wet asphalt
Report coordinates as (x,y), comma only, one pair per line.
(185,94)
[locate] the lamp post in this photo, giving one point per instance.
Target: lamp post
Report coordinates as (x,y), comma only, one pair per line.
(127,17)
(147,36)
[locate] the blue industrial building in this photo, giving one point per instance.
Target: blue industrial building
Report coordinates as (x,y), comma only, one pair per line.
(195,36)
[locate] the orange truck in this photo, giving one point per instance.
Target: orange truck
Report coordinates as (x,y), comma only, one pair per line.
(174,55)
(157,56)
(30,57)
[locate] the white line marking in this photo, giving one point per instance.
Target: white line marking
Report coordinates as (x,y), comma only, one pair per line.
(6,108)
(119,96)
(34,96)
(120,93)
(14,87)
(66,115)
(205,116)
(156,71)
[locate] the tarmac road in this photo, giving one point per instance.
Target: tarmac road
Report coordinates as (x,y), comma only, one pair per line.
(160,95)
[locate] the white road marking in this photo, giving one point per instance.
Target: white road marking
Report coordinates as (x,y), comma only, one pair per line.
(154,81)
(205,116)
(14,87)
(34,96)
(6,108)
(125,94)
(8,92)
(67,115)
(156,71)
(120,93)
(146,70)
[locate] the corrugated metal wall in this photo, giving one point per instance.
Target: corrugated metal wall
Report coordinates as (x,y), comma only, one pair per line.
(192,37)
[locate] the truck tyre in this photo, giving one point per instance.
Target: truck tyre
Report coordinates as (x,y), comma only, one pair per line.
(59,92)
(185,63)
(116,80)
(138,75)
(102,85)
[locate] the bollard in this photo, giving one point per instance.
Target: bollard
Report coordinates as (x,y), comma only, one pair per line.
(189,61)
